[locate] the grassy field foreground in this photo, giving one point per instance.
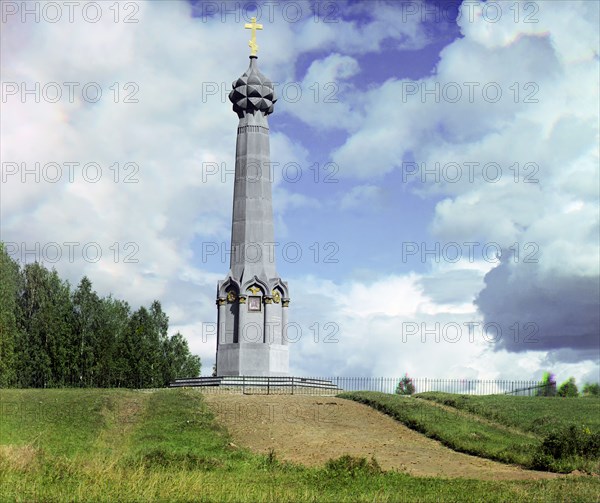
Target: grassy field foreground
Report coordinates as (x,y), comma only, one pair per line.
(164,445)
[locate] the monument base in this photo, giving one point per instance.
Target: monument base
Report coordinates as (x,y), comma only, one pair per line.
(253,359)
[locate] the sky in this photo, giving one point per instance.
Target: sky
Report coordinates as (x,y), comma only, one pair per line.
(435,163)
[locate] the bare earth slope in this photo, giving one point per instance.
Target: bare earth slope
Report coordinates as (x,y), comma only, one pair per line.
(312,429)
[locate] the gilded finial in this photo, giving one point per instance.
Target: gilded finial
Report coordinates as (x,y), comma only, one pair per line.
(253,25)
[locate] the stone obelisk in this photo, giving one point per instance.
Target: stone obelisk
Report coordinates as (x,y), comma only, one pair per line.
(252,300)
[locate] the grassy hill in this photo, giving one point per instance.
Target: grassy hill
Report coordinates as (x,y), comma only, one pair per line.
(557,434)
(164,445)
(539,415)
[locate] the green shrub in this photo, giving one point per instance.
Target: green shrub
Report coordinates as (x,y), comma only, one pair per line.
(572,441)
(548,386)
(405,386)
(568,388)
(542,461)
(591,389)
(352,466)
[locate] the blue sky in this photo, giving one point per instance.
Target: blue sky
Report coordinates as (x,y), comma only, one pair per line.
(459,90)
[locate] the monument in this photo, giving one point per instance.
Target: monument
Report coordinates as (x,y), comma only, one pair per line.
(252,301)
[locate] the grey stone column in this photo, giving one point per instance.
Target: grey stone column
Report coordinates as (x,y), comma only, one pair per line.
(269,333)
(242,307)
(252,226)
(221,313)
(284,320)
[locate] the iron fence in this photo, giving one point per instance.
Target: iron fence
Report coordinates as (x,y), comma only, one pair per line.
(334,385)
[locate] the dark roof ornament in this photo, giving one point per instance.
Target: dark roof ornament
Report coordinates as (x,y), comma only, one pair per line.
(253,92)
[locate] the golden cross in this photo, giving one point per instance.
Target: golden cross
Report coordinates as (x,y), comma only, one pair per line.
(253,26)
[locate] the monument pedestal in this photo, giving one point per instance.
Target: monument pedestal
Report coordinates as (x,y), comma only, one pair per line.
(253,359)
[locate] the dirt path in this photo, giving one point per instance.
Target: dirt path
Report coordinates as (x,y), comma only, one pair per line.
(312,429)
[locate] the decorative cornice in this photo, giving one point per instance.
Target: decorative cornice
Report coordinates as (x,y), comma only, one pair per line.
(242,299)
(252,129)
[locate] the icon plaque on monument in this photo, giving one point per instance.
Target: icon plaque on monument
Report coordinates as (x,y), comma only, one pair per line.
(253,303)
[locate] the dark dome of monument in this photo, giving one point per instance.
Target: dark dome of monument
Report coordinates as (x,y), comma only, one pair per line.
(252,92)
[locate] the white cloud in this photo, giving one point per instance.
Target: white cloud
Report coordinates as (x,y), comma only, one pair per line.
(361,196)
(550,129)
(316,99)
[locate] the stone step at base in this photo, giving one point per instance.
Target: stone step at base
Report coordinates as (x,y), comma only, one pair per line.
(251,381)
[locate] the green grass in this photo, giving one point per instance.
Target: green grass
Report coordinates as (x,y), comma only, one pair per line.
(539,415)
(483,428)
(115,445)
(179,431)
(61,421)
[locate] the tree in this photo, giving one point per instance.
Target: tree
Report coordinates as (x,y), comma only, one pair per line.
(157,342)
(58,320)
(568,388)
(405,386)
(45,319)
(179,362)
(138,350)
(50,336)
(591,389)
(87,315)
(113,321)
(9,290)
(548,385)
